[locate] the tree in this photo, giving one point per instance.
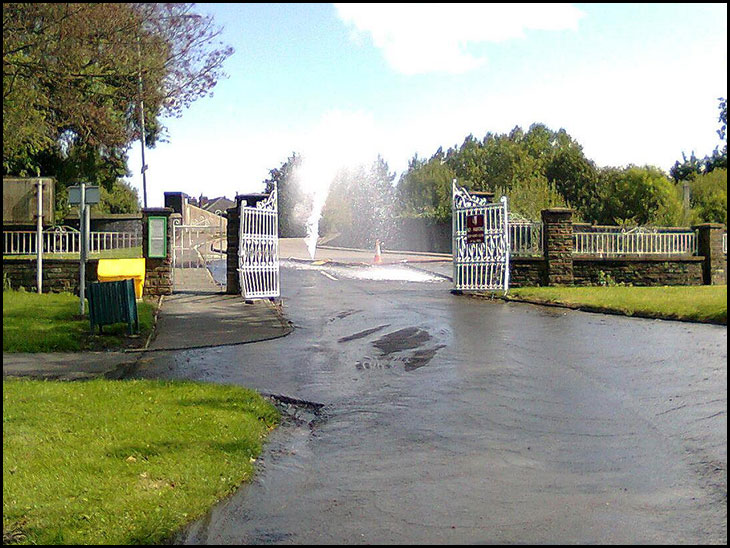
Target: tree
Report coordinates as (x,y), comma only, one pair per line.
(709,197)
(361,205)
(637,196)
(122,198)
(294,205)
(689,168)
(536,169)
(722,132)
(424,190)
(72,75)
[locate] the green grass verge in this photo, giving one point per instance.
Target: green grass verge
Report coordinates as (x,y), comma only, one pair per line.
(701,304)
(123,462)
(51,323)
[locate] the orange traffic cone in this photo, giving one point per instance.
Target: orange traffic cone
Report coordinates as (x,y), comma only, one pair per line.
(377,259)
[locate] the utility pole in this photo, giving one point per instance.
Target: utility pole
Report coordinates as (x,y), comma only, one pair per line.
(141,123)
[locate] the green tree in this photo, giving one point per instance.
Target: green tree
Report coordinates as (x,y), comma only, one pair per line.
(536,169)
(637,196)
(424,190)
(122,198)
(708,200)
(72,74)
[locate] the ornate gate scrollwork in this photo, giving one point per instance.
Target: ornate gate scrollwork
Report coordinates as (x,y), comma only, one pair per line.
(481,263)
(258,250)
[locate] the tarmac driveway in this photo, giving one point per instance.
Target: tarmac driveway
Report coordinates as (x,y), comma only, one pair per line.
(423,417)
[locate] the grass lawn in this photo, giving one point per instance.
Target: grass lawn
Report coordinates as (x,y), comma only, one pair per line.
(700,303)
(122,462)
(51,323)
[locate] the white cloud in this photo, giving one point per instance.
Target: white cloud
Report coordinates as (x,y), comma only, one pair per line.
(423,38)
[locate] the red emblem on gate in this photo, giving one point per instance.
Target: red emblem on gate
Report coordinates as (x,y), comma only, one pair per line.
(475,229)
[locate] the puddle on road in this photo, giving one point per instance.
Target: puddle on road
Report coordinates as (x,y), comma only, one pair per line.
(402,347)
(362,334)
(403,339)
(389,273)
(421,358)
(392,273)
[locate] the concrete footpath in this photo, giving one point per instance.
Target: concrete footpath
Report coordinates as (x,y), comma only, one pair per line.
(200,315)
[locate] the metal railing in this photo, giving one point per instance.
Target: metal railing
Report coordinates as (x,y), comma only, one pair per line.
(638,241)
(65,240)
(525,237)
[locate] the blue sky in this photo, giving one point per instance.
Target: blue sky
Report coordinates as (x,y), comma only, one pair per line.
(633,83)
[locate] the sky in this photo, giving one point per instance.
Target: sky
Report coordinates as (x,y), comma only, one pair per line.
(342,83)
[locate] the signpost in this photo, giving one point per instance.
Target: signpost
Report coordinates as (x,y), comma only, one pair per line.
(39,239)
(83,196)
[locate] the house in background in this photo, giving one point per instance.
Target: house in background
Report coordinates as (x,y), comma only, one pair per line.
(198,210)
(216,204)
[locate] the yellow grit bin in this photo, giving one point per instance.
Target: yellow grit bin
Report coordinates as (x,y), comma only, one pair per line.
(114,270)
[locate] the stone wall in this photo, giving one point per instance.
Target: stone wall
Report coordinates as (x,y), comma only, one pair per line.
(59,275)
(638,270)
(709,246)
(110,222)
(63,275)
(527,271)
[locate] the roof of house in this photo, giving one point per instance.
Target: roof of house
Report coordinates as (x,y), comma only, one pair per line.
(221,203)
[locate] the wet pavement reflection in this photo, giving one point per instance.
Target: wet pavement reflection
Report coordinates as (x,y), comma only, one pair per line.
(425,417)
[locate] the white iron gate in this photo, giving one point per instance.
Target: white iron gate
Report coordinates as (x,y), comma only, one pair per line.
(199,245)
(258,249)
(481,246)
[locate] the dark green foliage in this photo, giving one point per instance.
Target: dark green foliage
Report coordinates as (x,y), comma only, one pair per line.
(637,196)
(538,169)
(708,200)
(121,198)
(76,74)
(425,189)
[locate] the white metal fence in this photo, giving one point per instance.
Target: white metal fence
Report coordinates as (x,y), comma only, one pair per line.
(66,241)
(637,241)
(526,240)
(525,237)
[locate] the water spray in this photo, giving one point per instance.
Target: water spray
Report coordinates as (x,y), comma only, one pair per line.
(340,141)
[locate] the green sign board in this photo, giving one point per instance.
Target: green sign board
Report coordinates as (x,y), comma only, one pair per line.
(157,237)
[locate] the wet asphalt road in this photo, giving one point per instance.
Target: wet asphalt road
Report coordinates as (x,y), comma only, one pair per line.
(446,419)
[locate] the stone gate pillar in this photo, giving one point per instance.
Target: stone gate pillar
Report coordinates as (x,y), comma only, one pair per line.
(158,270)
(709,246)
(233,214)
(557,225)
